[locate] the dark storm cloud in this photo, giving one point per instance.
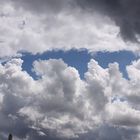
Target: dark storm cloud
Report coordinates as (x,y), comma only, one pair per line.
(125,13)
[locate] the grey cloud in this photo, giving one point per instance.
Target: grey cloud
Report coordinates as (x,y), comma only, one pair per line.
(15,104)
(108,132)
(125,13)
(39,6)
(37,27)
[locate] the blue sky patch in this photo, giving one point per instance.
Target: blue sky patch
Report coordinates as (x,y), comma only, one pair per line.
(123,58)
(79,59)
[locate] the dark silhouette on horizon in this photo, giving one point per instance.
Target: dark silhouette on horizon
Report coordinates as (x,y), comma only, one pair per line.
(10,137)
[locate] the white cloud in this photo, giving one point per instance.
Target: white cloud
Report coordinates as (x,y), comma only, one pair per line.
(60,104)
(96,84)
(23,30)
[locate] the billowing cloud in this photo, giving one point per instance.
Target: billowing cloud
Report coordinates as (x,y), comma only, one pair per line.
(58,104)
(61,105)
(125,13)
(39,26)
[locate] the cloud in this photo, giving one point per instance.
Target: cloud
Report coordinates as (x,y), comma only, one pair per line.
(125,14)
(98,77)
(50,103)
(60,105)
(50,27)
(121,114)
(51,6)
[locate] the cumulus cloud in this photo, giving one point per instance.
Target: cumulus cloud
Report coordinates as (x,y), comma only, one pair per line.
(58,104)
(61,105)
(125,13)
(39,26)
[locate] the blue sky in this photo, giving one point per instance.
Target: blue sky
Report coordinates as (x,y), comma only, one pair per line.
(80,59)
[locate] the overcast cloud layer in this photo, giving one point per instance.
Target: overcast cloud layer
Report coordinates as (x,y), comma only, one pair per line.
(37,26)
(60,105)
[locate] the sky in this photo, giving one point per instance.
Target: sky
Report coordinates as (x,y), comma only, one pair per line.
(79,60)
(70,69)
